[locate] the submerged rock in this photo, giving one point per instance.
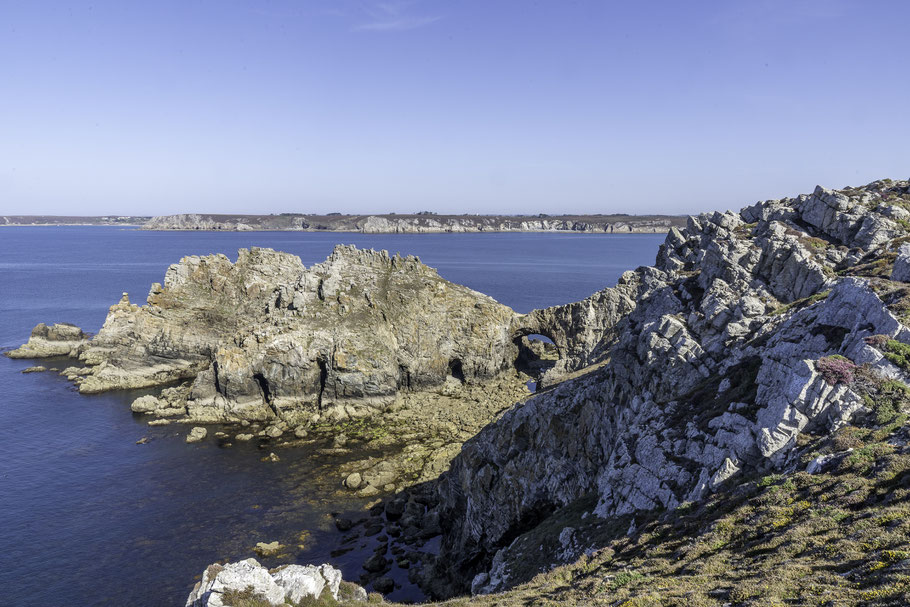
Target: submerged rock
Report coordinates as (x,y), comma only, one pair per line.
(266,549)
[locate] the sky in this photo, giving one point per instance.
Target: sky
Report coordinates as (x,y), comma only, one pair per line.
(458,106)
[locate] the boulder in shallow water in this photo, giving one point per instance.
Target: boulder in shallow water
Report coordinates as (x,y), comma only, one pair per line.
(196,434)
(268,548)
(383,585)
(353,480)
(145,404)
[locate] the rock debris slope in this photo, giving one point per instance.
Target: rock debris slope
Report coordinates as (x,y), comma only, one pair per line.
(743,337)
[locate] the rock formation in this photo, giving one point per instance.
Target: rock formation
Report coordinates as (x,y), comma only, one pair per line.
(266,338)
(60,339)
(756,337)
(720,357)
(241,583)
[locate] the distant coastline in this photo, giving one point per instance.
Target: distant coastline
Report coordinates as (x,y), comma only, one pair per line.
(417,223)
(129,221)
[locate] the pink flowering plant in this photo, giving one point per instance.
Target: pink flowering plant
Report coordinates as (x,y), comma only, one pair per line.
(836,369)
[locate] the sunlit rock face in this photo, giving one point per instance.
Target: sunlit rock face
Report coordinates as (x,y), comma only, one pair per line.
(266,337)
(713,372)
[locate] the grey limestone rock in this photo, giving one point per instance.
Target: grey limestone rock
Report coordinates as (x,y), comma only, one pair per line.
(901,270)
(291,583)
(711,376)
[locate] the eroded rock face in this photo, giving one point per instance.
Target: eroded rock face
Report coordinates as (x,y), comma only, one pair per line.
(59,339)
(228,585)
(267,338)
(712,374)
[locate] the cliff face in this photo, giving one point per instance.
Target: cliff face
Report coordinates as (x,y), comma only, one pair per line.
(421,223)
(743,337)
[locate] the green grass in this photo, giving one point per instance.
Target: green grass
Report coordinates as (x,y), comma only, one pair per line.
(898,353)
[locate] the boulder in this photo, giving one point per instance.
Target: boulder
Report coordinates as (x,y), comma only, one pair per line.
(383,585)
(59,339)
(353,480)
(266,549)
(196,434)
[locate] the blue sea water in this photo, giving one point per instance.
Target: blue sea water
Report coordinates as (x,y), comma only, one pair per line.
(88,517)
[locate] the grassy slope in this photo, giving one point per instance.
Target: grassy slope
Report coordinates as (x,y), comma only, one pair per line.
(837,538)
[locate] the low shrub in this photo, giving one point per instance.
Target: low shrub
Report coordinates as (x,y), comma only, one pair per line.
(836,369)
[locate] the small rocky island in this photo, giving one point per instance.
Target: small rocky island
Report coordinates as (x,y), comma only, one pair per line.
(726,427)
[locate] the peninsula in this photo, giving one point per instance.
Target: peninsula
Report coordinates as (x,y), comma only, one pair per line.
(728,426)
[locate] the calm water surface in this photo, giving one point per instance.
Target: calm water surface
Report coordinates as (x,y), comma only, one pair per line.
(87,517)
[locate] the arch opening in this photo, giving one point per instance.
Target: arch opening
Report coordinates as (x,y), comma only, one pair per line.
(537,354)
(456,369)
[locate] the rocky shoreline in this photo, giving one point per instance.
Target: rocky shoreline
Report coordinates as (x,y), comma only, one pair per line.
(763,345)
(422,223)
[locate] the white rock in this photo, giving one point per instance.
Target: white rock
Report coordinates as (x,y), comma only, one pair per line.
(238,577)
(292,583)
(300,581)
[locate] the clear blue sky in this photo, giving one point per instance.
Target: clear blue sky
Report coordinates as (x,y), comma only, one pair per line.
(457,106)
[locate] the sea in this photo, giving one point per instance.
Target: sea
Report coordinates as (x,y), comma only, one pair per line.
(90,517)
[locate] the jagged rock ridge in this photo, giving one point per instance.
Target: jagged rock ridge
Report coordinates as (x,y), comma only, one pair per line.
(265,337)
(717,363)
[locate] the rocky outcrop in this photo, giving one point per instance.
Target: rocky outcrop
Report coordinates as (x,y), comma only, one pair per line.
(59,339)
(421,223)
(718,361)
(266,338)
(901,270)
(241,583)
(580,329)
